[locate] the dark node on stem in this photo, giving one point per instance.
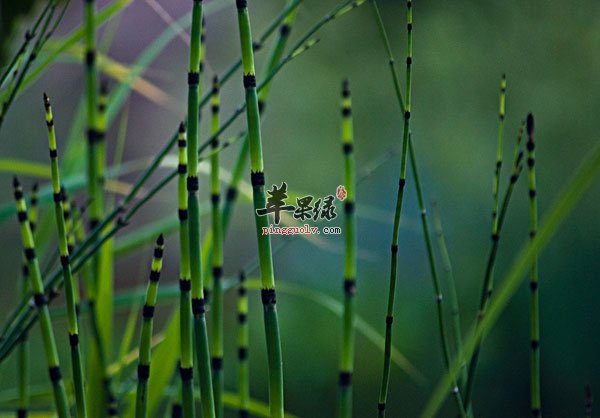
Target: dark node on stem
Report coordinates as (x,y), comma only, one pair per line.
(261,106)
(530,145)
(215,109)
(530,126)
(217,272)
(346,112)
(21,413)
(514,178)
(535,344)
(74,340)
(104,87)
(94,223)
(185,285)
(495,237)
(389,319)
(148,312)
(90,57)
(193,78)
(25,270)
(345,379)
(183,214)
(409,4)
(207,296)
(533,286)
(257,178)
(249,81)
(192,184)
(39,299)
(46,101)
(349,207)
(176,411)
(64,260)
(345,88)
(28,35)
(285,29)
(54,373)
(242,318)
(182,168)
(215,198)
(536,412)
(29,253)
(532,234)
(198,307)
(186,373)
(143,372)
(407,115)
(181,127)
(216,363)
(243,353)
(22,216)
(402,182)
(241,4)
(381,406)
(268,297)
(181,143)
(409,27)
(350,286)
(532,193)
(57,197)
(154,276)
(94,136)
(589,399)
(408,61)
(530,162)
(242,291)
(347,148)
(244,413)
(215,84)
(394,248)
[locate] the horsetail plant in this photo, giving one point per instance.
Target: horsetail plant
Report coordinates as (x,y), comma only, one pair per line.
(436,283)
(186,365)
(486,292)
(257,177)
(536,401)
(39,298)
(399,198)
(217,261)
(143,368)
(76,358)
(243,342)
(347,357)
(198,306)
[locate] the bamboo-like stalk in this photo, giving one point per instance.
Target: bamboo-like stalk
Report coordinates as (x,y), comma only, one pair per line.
(271,322)
(58,387)
(23,353)
(243,342)
(451,285)
(76,358)
(535,389)
(399,198)
(216,262)
(436,283)
(489,271)
(186,365)
(143,368)
(347,356)
(198,306)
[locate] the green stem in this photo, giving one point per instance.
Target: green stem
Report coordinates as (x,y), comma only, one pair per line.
(197,285)
(535,384)
(216,262)
(436,283)
(271,322)
(76,361)
(243,342)
(394,247)
(186,365)
(347,357)
(143,369)
(58,387)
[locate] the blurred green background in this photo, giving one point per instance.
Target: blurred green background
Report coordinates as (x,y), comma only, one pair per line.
(549,52)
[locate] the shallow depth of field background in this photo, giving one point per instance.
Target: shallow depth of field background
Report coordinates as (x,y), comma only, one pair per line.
(549,51)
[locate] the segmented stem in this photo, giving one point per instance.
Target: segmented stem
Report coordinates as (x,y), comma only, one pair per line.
(186,364)
(243,342)
(217,261)
(399,198)
(143,368)
(273,340)
(76,358)
(535,390)
(39,298)
(436,283)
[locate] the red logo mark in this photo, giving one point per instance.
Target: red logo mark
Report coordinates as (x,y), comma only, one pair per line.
(341,192)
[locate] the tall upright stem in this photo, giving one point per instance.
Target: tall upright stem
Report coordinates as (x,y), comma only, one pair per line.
(257,177)
(243,337)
